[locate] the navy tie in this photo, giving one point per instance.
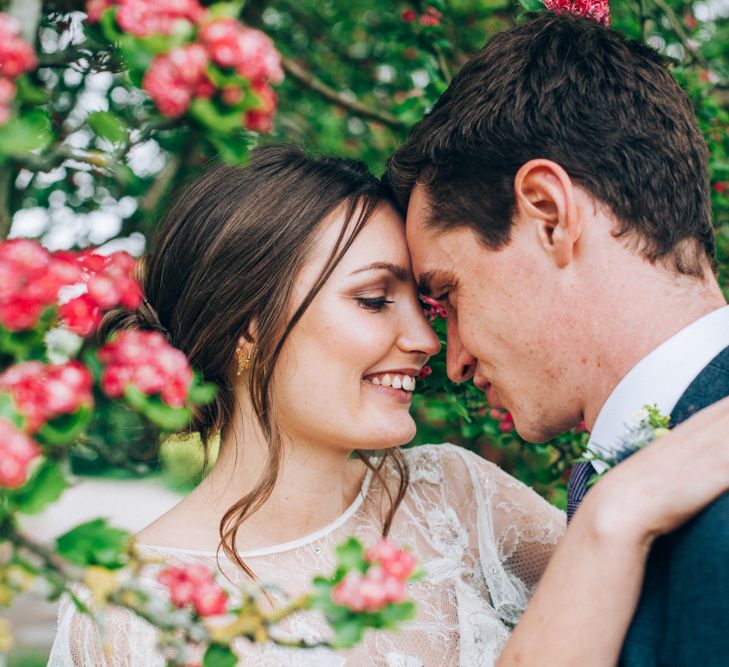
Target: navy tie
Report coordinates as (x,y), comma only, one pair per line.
(577,486)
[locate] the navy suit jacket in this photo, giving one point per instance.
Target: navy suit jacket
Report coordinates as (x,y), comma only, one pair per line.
(682,617)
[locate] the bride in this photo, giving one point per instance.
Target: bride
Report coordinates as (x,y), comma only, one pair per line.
(288,284)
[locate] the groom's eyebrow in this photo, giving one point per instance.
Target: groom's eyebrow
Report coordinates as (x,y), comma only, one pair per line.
(400,272)
(425,283)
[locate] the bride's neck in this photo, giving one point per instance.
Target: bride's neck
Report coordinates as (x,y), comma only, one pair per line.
(314,486)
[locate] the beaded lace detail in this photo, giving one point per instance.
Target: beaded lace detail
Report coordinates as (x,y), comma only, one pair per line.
(482,537)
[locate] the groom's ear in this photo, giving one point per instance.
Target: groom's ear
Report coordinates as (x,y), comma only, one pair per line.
(545,197)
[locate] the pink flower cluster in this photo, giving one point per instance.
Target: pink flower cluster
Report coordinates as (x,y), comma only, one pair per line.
(430,17)
(597,10)
(16,56)
(434,309)
(42,392)
(30,278)
(385,581)
(196,586)
(506,421)
(143,18)
(17,451)
(145,360)
(109,282)
(175,78)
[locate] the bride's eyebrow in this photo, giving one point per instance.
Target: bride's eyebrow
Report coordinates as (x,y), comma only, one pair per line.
(400,272)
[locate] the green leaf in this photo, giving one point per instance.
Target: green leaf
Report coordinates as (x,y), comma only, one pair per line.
(45,486)
(65,429)
(152,407)
(9,412)
(94,543)
(202,394)
(350,556)
(218,655)
(207,114)
(26,133)
(393,614)
(223,10)
(29,93)
(233,148)
(108,126)
(532,5)
(348,633)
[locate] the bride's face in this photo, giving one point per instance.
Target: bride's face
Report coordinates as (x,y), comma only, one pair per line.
(364,330)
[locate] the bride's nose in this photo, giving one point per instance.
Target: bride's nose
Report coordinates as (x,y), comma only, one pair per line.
(418,336)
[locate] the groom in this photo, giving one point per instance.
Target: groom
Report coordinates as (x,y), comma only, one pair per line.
(558,204)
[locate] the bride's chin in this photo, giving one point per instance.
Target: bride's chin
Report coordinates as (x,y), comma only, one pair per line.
(392,435)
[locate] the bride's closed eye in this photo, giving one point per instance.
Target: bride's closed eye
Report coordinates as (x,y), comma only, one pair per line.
(375,304)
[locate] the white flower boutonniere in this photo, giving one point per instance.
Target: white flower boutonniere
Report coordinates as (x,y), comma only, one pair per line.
(650,426)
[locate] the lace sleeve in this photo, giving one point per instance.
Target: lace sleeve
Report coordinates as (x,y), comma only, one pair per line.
(517,533)
(128,641)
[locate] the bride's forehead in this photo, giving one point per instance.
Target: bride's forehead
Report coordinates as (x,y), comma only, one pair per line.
(382,238)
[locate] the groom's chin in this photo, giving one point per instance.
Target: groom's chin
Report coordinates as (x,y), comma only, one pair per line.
(537,433)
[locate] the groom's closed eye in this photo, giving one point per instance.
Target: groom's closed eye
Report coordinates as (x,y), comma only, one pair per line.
(430,280)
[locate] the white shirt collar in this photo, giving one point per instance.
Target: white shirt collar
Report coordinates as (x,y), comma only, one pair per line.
(660,378)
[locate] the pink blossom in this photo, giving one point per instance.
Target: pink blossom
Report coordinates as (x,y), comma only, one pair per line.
(409,15)
(30,278)
(260,119)
(434,309)
(42,392)
(394,561)
(95,8)
(260,58)
(16,55)
(143,18)
(598,10)
(81,315)
(145,360)
(431,17)
(425,371)
(194,585)
(251,52)
(7,93)
(176,77)
(17,451)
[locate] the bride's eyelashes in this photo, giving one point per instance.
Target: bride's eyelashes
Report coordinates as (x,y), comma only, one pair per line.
(375,304)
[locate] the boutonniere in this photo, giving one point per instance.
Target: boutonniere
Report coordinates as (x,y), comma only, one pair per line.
(650,425)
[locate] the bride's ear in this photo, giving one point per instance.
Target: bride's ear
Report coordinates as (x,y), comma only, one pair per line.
(545,198)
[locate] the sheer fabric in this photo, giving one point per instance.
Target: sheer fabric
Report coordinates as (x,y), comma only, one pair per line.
(482,537)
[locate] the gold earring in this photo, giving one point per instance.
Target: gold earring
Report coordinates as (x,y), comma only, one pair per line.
(244,360)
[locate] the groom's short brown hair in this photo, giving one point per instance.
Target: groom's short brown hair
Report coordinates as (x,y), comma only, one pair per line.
(603,107)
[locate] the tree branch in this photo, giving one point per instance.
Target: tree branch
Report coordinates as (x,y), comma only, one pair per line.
(6,218)
(681,33)
(298,73)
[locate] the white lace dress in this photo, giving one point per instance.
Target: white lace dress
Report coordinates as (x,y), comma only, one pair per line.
(482,537)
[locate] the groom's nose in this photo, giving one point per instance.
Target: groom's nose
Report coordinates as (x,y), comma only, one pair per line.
(460,365)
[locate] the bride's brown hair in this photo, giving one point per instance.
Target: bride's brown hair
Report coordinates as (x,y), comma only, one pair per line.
(227,253)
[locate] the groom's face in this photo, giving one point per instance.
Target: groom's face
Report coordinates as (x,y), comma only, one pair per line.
(508,326)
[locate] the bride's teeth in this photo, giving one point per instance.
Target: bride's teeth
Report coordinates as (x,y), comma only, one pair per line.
(375,380)
(408,383)
(386,380)
(396,382)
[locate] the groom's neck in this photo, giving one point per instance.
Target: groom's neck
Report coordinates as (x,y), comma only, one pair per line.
(641,307)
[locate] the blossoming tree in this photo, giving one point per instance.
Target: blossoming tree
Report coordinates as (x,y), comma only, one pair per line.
(106,107)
